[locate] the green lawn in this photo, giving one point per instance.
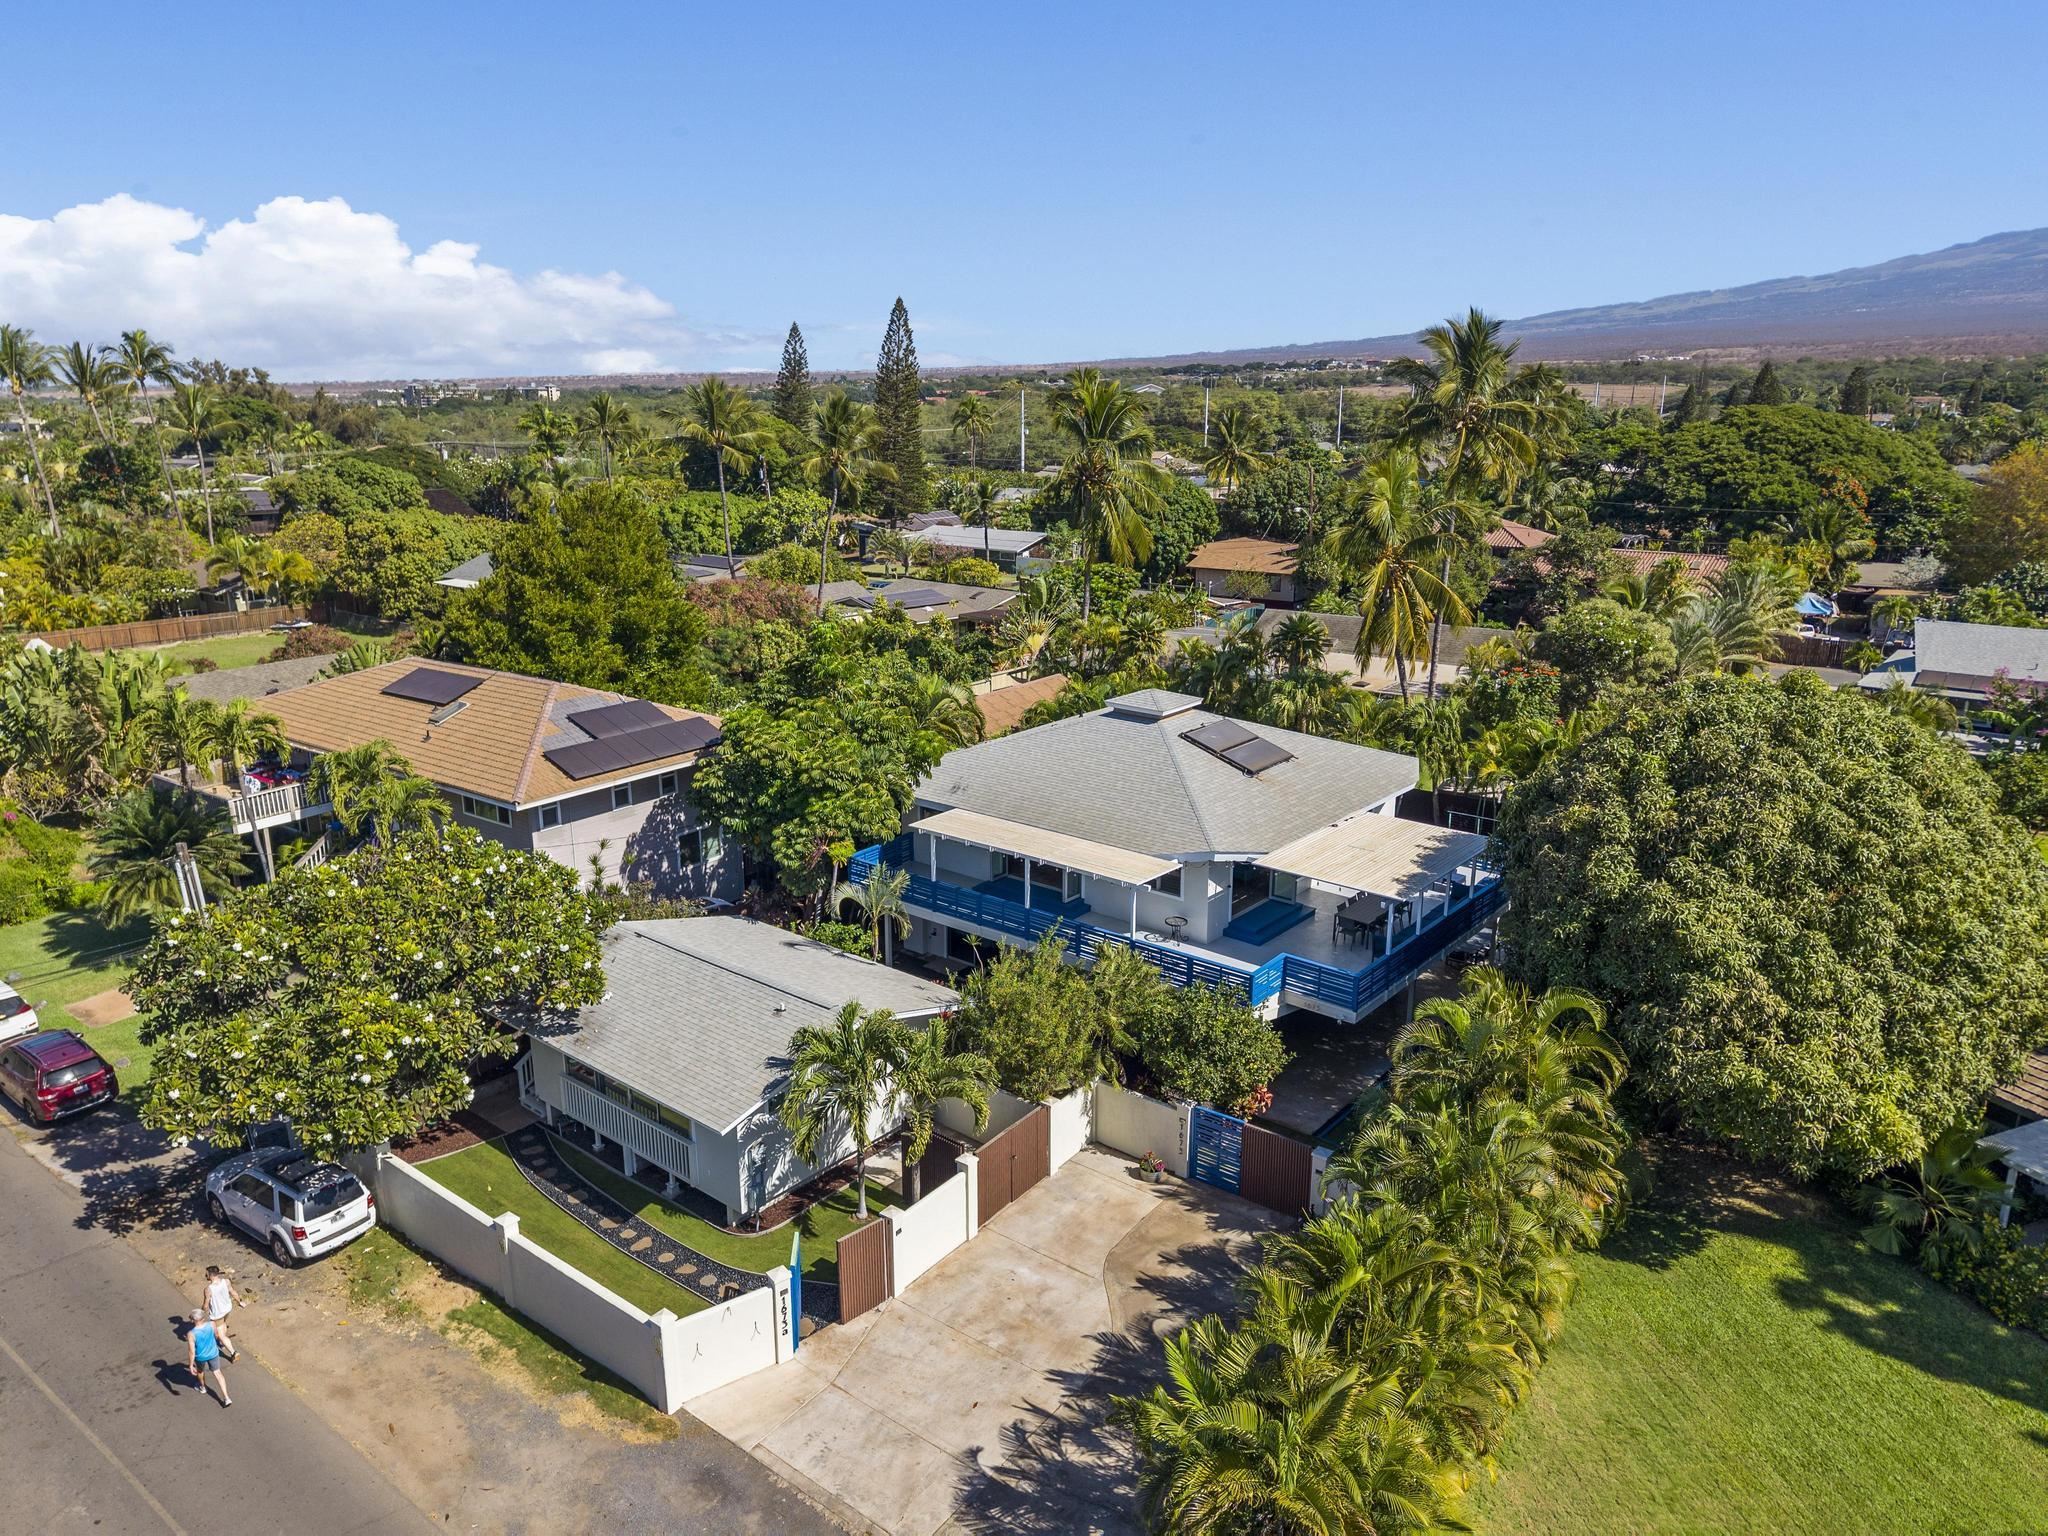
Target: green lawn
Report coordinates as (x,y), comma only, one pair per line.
(822,1225)
(66,956)
(1737,1361)
(230,651)
(488,1179)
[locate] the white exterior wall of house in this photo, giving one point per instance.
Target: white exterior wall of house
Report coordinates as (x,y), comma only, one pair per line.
(1279,589)
(648,829)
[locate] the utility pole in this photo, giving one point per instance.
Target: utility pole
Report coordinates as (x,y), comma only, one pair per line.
(1340,418)
(1023,428)
(1662,380)
(1205,413)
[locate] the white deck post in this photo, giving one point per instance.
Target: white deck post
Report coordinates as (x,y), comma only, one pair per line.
(931,844)
(1027,883)
(1134,911)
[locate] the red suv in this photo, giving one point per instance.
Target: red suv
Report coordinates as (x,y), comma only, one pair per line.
(54,1074)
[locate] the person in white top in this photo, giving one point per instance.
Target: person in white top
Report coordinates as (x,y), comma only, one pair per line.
(218,1298)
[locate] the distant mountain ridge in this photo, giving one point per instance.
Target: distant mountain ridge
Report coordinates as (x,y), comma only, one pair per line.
(1986,295)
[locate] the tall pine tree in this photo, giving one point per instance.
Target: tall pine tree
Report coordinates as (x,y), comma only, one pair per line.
(896,407)
(1692,405)
(794,401)
(1855,397)
(1765,389)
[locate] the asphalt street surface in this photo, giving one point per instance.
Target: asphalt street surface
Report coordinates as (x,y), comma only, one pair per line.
(105,1430)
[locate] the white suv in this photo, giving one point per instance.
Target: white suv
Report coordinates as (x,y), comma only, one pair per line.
(16,1017)
(297,1204)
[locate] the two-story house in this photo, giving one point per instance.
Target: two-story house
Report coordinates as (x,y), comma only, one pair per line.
(575,773)
(1227,854)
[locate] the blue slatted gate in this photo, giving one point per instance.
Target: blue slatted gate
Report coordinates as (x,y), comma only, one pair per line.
(1218,1152)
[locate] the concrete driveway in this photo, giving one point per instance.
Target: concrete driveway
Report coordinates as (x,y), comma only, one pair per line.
(976,1400)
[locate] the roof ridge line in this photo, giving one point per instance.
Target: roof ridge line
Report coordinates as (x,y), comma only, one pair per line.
(1173,758)
(547,709)
(749,976)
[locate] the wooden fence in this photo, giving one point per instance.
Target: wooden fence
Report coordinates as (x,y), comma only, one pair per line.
(1277,1171)
(195,626)
(867,1267)
(1012,1162)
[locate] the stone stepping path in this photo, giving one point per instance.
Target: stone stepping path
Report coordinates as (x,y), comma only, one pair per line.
(535,1154)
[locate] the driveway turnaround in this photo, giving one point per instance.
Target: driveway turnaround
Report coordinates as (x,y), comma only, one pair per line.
(976,1400)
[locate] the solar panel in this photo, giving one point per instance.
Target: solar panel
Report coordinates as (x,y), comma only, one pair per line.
(918,597)
(608,754)
(618,719)
(430,685)
(1257,755)
(1218,736)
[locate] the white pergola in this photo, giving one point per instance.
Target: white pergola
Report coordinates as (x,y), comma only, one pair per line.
(2024,1151)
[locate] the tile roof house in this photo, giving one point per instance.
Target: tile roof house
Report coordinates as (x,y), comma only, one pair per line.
(1275,561)
(682,1062)
(553,767)
(1511,536)
(1002,709)
(2026,1096)
(1156,824)
(1640,562)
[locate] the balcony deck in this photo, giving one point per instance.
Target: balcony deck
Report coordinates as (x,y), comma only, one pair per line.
(251,813)
(1305,966)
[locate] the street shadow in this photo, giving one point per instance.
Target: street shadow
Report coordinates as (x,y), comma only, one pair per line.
(1069,1467)
(132,1178)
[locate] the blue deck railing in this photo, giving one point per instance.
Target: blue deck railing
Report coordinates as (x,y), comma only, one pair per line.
(1349,990)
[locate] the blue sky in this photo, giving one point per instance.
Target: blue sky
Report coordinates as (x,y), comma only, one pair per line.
(1042,182)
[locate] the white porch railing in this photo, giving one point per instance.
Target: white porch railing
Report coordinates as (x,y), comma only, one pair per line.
(524,1068)
(325,847)
(287,802)
(609,1118)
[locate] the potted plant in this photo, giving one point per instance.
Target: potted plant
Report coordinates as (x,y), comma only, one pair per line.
(1151,1169)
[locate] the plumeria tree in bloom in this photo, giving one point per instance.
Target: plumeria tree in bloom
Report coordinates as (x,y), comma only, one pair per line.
(352,997)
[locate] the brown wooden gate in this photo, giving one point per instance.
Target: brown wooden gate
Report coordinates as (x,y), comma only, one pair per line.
(1013,1161)
(1276,1171)
(867,1268)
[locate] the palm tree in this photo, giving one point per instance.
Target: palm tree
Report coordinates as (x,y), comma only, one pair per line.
(880,900)
(849,440)
(549,429)
(1929,711)
(285,571)
(928,1070)
(135,860)
(353,783)
(1862,657)
(143,362)
(729,424)
(240,734)
(943,708)
(972,419)
(1470,405)
(180,729)
(1941,1206)
(191,413)
(976,504)
(1107,478)
(1236,449)
(25,365)
(1662,591)
(236,555)
(892,547)
(1268,1428)
(1835,535)
(1388,542)
(1299,643)
(1458,522)
(91,373)
(838,1078)
(305,440)
(1898,612)
(608,422)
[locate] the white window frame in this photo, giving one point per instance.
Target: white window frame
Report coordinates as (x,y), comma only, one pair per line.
(1179,883)
(618,790)
(667,784)
(549,815)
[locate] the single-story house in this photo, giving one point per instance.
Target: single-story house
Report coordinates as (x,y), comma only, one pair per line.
(1004,546)
(922,600)
(684,1061)
(473,572)
(711,567)
(1964,662)
(261,514)
(1272,562)
(1379,674)
(1511,536)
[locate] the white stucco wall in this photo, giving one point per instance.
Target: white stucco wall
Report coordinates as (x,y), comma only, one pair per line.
(929,1230)
(1134,1125)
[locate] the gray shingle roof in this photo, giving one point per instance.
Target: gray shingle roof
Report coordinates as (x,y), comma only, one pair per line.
(476,568)
(255,682)
(1133,783)
(698,1011)
(1980,650)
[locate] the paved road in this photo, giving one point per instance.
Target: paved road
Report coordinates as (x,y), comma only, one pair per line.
(104,1430)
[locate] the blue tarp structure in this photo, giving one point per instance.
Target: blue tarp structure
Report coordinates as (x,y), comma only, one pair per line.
(1813,606)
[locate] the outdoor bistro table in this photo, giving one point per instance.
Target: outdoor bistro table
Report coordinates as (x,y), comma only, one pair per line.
(1174,925)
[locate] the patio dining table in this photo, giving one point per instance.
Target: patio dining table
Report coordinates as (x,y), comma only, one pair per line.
(1363,915)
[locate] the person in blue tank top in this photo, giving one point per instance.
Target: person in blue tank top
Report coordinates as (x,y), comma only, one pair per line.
(202,1356)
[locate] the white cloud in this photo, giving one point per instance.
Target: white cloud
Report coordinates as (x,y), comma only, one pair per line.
(316,289)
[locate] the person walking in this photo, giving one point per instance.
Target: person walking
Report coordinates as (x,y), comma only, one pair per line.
(202,1356)
(219,1297)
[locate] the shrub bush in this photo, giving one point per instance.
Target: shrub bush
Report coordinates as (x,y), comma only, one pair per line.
(35,867)
(2005,1277)
(320,640)
(1206,1045)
